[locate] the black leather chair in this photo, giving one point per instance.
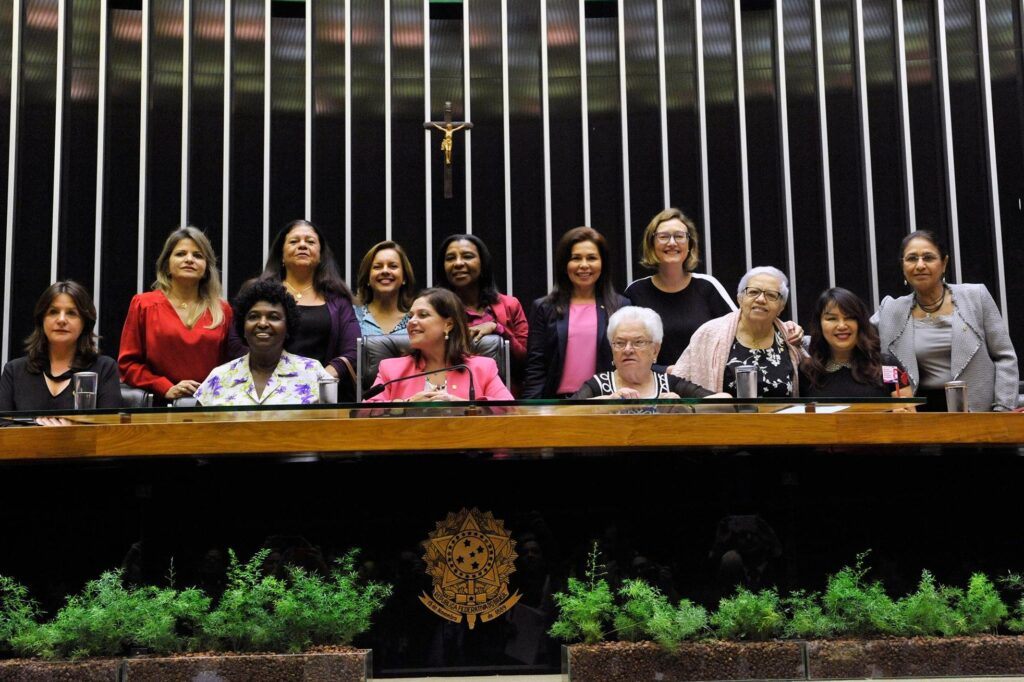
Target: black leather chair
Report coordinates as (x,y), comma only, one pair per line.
(135,397)
(187,401)
(370,350)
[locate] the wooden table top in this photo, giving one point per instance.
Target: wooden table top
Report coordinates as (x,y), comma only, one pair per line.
(571,427)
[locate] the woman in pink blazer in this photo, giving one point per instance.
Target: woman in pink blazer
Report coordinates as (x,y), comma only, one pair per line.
(440,339)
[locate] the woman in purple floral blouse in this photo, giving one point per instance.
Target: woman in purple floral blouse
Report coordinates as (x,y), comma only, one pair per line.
(266,316)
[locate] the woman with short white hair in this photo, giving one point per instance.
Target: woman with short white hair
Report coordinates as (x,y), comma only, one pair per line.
(753,335)
(635,335)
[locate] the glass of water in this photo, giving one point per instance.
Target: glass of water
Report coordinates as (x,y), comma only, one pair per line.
(85,390)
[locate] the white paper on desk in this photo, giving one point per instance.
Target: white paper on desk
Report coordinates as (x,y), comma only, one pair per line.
(819,409)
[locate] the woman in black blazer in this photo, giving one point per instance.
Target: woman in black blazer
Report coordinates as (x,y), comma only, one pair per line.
(571,321)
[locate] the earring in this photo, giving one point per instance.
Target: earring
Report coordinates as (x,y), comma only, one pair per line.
(446,335)
(904,281)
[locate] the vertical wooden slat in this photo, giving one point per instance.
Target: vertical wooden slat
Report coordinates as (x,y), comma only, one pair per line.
(143,146)
(101,135)
(58,136)
(787,189)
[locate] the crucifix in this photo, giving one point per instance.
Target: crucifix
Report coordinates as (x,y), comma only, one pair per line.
(448,127)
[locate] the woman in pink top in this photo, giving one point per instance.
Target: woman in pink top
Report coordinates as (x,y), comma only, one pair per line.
(439,338)
(568,327)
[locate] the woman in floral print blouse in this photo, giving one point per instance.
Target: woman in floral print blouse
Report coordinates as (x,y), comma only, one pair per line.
(266,316)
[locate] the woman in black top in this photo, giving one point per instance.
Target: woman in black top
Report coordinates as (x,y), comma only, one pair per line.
(572,320)
(845,358)
(61,344)
(682,298)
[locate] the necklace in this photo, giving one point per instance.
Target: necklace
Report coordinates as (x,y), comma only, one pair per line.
(929,308)
(297,293)
(183,305)
(834,366)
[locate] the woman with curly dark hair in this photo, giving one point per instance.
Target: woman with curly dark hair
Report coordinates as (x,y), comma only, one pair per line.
(61,344)
(464,266)
(845,358)
(267,317)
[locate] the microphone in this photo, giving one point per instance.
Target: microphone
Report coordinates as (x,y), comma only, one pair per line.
(377,389)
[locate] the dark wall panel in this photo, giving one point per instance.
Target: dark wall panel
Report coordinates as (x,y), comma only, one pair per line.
(685,188)
(206,124)
(887,159)
(566,122)
(764,143)
(930,194)
(34,197)
(805,162)
(78,153)
(488,132)
(849,219)
(646,184)
(607,209)
(1008,105)
(245,247)
(329,118)
(724,217)
(163,143)
(526,141)
(287,122)
(409,211)
(121,175)
(526,252)
(6,46)
(367,179)
(446,85)
(969,146)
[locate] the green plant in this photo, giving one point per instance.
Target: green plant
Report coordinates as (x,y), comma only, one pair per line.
(107,618)
(18,613)
(586,608)
(806,619)
(646,612)
(857,607)
(930,610)
(1015,582)
(749,615)
(264,613)
(981,606)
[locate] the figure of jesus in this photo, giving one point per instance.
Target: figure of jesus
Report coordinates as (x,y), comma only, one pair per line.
(446,142)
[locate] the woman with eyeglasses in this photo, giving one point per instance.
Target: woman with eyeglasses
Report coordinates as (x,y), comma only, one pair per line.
(684,299)
(751,336)
(947,332)
(635,336)
(567,343)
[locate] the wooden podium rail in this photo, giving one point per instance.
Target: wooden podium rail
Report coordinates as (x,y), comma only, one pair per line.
(358,431)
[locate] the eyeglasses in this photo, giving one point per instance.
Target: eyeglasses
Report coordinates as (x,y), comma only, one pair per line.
(666,237)
(638,344)
(769,295)
(928,258)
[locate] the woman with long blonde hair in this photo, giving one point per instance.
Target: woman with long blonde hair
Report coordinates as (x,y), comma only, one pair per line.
(176,333)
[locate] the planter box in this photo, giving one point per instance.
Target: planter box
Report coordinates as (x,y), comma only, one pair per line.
(915,657)
(711,660)
(32,670)
(344,666)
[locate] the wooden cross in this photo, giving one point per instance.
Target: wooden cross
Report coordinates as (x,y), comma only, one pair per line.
(448,127)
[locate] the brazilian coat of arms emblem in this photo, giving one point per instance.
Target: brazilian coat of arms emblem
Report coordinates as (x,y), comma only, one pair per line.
(470,557)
